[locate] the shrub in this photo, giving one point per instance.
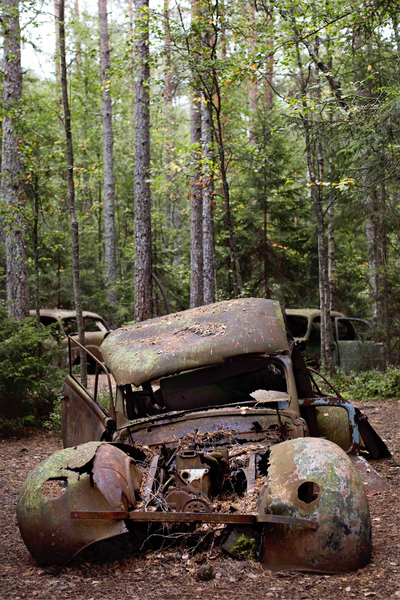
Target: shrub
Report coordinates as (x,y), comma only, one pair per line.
(30,381)
(363,385)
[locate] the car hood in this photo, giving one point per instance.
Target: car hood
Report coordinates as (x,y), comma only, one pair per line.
(194,338)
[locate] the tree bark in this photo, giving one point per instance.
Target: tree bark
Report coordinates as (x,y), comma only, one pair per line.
(372,231)
(36,246)
(269,72)
(324,289)
(253,87)
(196,216)
(110,255)
(57,32)
(71,198)
(208,221)
(12,168)
(384,282)
(143,243)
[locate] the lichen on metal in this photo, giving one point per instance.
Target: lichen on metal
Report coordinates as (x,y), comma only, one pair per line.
(342,540)
(194,338)
(95,477)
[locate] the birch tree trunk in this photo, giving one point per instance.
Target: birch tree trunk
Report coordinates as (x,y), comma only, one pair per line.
(143,244)
(110,255)
(71,198)
(208,221)
(12,168)
(196,215)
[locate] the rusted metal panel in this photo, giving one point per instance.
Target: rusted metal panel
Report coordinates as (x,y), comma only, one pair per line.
(169,429)
(93,476)
(194,338)
(82,419)
(314,479)
(189,517)
(373,482)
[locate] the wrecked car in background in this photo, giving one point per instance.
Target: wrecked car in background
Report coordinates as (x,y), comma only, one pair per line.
(64,325)
(216,419)
(352,346)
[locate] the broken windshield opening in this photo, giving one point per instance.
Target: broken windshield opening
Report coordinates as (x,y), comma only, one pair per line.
(235,381)
(298,325)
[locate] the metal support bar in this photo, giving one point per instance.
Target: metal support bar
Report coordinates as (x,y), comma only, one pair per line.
(190,517)
(98,362)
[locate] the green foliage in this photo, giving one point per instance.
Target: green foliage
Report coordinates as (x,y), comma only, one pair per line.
(30,383)
(368,384)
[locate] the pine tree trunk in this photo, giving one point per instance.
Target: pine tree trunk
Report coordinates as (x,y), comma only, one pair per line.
(384,282)
(36,246)
(57,32)
(12,169)
(324,289)
(71,198)
(208,221)
(196,216)
(372,230)
(110,255)
(218,133)
(143,243)
(253,87)
(269,73)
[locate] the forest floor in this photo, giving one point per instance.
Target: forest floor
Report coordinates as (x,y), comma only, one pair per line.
(173,574)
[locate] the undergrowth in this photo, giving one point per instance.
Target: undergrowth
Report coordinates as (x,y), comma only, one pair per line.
(364,385)
(30,380)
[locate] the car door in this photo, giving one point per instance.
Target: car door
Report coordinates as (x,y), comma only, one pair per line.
(83,419)
(356,352)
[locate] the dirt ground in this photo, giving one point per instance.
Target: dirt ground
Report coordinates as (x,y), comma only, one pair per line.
(174,574)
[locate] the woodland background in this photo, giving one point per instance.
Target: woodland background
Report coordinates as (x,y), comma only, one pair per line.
(220,149)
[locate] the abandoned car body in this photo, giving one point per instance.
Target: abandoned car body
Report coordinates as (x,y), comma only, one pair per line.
(212,423)
(351,344)
(64,323)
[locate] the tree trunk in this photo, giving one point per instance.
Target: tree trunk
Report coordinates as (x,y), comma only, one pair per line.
(267,292)
(218,132)
(208,221)
(36,246)
(384,282)
(143,244)
(269,72)
(324,289)
(71,198)
(110,256)
(57,32)
(372,231)
(196,216)
(253,87)
(12,169)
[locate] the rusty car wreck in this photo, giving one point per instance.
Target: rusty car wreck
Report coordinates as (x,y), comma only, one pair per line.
(211,403)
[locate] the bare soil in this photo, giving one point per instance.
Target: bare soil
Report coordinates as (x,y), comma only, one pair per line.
(175,573)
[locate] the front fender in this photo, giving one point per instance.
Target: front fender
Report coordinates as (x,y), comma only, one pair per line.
(314,479)
(93,476)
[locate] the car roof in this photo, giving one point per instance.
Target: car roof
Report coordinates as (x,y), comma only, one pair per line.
(61,313)
(194,338)
(310,313)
